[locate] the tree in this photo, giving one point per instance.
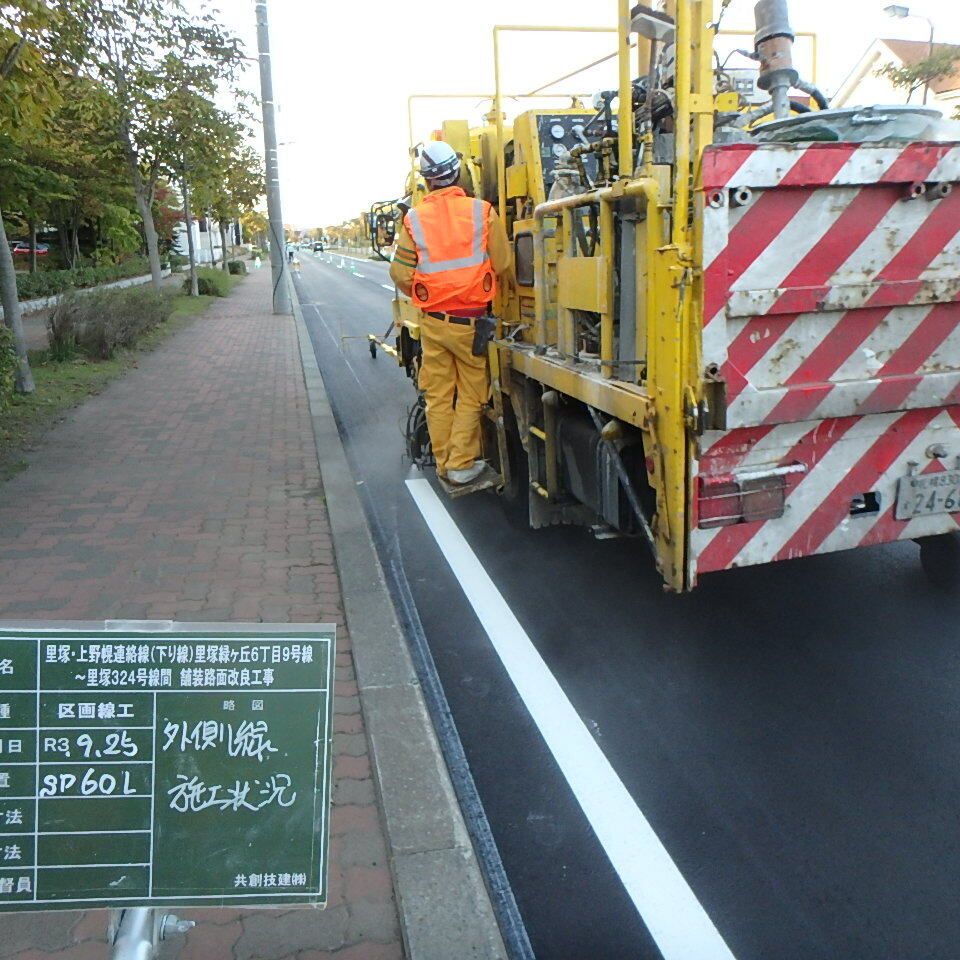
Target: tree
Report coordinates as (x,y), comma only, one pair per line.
(78,145)
(145,52)
(255,224)
(204,139)
(40,41)
(939,65)
(239,189)
(167,215)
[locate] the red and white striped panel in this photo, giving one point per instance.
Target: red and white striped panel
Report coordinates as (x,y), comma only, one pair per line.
(844,458)
(828,294)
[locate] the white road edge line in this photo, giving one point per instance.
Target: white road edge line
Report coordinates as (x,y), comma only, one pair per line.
(387,286)
(675,918)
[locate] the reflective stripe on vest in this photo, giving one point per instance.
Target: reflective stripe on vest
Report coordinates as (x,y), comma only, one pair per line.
(477,256)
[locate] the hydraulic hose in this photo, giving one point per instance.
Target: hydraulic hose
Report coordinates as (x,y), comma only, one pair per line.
(807,87)
(625,482)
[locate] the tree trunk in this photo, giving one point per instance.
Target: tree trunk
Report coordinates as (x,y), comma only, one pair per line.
(11,313)
(33,246)
(191,252)
(144,200)
(64,244)
(223,247)
(213,254)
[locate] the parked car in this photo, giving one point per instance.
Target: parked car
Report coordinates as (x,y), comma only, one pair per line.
(24,247)
(318,247)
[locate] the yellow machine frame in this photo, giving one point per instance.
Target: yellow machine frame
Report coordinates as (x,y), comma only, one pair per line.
(666,404)
(670,307)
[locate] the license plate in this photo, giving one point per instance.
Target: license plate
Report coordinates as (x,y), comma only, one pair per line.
(922,496)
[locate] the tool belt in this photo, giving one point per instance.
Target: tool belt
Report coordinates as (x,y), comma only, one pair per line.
(484,326)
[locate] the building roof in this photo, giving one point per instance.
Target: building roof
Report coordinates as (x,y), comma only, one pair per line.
(911,52)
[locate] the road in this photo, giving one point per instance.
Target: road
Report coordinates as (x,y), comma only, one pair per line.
(767,768)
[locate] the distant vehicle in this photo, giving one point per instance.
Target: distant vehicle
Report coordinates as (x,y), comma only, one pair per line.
(23,247)
(318,247)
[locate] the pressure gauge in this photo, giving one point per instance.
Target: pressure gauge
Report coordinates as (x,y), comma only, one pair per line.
(559,149)
(557,131)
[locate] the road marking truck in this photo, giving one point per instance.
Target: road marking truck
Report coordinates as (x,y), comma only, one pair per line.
(736,331)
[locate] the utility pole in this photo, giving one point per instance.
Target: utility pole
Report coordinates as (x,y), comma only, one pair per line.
(278,256)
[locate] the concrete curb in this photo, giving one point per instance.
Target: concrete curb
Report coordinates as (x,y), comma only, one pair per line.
(444,907)
(41,303)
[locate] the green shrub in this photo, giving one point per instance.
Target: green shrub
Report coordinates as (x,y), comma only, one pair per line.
(8,366)
(210,282)
(48,283)
(102,322)
(237,267)
(62,326)
(257,252)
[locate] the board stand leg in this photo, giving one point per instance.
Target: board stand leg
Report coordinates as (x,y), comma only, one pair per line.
(136,932)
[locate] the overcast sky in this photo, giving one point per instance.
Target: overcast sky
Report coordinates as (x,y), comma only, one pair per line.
(343,70)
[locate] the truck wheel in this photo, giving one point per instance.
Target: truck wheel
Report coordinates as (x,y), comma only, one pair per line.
(940,559)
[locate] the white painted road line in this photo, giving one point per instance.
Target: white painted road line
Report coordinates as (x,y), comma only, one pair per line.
(387,286)
(675,918)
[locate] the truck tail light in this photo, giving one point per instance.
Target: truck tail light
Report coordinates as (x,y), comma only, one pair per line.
(748,497)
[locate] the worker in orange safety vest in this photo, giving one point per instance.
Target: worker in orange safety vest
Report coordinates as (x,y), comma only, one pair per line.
(452,251)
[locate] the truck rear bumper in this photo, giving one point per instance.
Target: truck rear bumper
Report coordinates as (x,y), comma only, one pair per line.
(841,493)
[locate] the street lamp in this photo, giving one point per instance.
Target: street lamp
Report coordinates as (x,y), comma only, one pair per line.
(900,12)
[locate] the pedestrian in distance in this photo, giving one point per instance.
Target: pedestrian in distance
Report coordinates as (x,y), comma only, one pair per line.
(452,252)
(295,264)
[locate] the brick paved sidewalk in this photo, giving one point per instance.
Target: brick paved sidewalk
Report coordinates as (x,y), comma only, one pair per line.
(190,490)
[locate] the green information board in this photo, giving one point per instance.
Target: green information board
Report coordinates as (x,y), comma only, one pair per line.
(144,768)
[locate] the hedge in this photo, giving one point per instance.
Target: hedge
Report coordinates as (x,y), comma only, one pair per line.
(211,282)
(8,366)
(99,324)
(48,283)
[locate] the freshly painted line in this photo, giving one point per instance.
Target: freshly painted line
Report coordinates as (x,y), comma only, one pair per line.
(339,346)
(673,915)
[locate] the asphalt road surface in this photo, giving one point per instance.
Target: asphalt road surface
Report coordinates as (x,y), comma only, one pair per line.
(768,768)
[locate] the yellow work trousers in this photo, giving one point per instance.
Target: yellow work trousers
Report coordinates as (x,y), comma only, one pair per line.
(456,385)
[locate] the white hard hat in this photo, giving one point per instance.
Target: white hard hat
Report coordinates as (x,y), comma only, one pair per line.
(439,163)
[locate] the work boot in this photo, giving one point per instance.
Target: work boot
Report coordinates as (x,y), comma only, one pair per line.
(467,475)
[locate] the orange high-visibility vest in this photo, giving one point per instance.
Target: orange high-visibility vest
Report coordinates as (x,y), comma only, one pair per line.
(453,270)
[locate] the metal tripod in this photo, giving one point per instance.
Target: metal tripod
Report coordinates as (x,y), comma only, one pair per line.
(136,932)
